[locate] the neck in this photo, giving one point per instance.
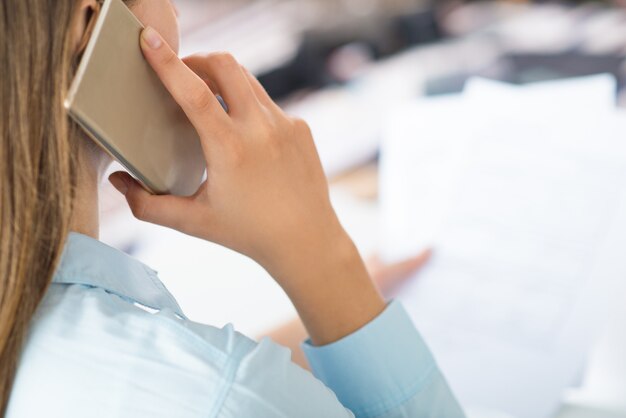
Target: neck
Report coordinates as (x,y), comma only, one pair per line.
(91,166)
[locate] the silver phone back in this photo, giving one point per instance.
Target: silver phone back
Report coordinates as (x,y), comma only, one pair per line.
(119,101)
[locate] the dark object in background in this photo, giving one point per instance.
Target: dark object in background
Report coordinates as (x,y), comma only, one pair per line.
(527,68)
(306,70)
(310,70)
(416,28)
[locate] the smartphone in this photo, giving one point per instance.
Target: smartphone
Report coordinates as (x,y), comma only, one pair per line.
(122,105)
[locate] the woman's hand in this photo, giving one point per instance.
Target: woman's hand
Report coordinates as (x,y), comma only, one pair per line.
(266,195)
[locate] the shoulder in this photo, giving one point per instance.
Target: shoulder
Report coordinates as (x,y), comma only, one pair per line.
(90,350)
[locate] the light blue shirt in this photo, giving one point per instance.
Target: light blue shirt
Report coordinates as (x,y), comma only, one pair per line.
(110,341)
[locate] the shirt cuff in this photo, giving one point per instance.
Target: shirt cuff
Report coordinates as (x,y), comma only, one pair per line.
(377,368)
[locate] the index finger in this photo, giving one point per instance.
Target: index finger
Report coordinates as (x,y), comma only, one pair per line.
(188,90)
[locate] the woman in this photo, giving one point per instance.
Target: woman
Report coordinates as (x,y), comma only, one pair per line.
(87,331)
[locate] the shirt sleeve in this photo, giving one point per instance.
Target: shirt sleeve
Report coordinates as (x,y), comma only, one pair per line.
(384,370)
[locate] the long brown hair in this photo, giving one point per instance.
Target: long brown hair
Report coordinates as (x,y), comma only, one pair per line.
(38,157)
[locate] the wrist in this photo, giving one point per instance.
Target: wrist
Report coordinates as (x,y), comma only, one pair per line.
(331,289)
(319,264)
(310,253)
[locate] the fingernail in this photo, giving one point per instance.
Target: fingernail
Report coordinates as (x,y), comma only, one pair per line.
(119,183)
(152,38)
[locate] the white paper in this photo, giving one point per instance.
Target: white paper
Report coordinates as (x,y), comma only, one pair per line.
(518,207)
(591,94)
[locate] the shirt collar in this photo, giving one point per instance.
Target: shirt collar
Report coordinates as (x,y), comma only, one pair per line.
(87,261)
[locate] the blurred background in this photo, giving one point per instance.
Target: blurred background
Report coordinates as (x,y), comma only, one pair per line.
(490,131)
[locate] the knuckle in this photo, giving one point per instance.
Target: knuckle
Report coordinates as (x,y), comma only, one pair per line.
(168,58)
(224,60)
(267,133)
(301,126)
(274,141)
(198,56)
(236,154)
(194,61)
(138,208)
(199,99)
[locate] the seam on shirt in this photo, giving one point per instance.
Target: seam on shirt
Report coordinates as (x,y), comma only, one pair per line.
(251,394)
(384,406)
(231,368)
(195,340)
(205,348)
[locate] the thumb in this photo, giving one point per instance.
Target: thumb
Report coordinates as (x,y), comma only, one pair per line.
(164,210)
